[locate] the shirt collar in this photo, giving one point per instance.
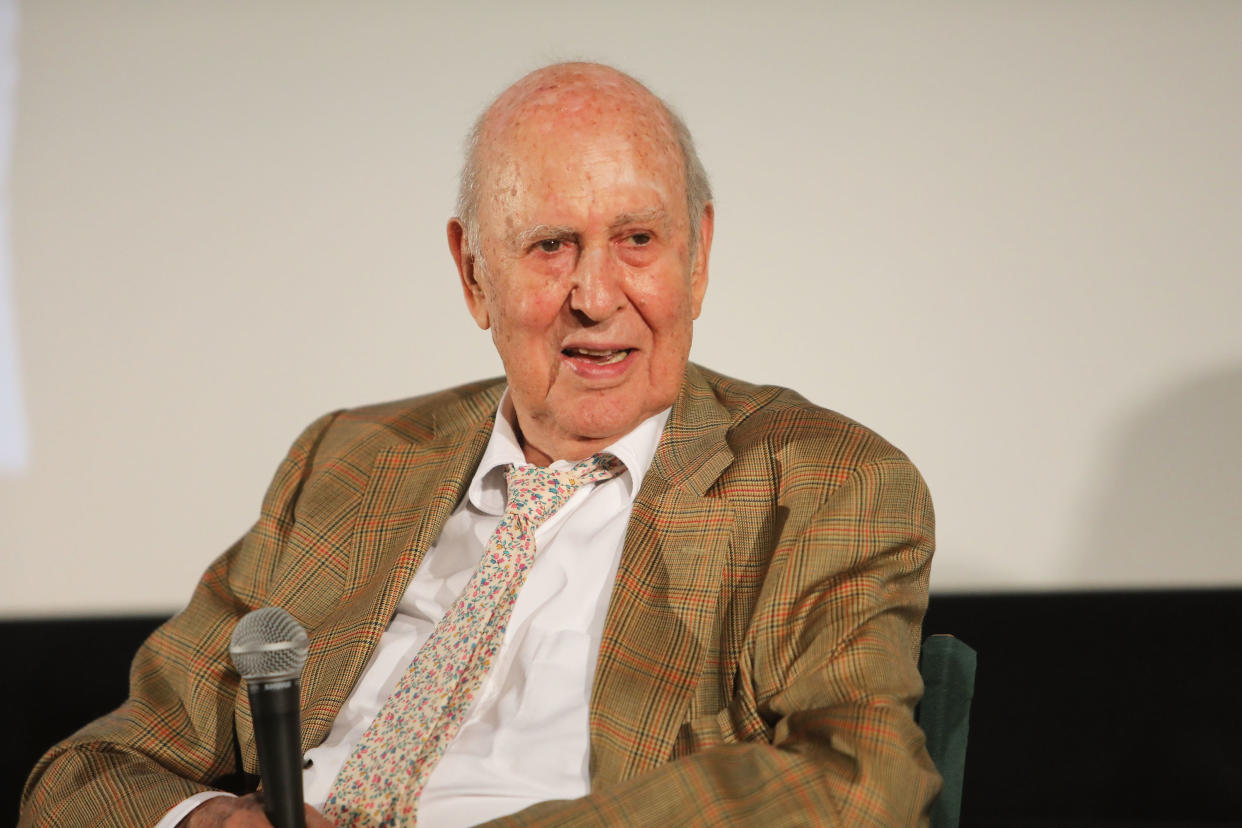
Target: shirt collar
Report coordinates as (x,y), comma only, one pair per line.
(487,488)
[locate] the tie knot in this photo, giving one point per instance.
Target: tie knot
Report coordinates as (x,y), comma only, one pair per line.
(597,467)
(535,492)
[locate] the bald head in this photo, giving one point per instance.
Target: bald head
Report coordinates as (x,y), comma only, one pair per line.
(562,101)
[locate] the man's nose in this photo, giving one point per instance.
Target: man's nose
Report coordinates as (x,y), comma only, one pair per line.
(598,289)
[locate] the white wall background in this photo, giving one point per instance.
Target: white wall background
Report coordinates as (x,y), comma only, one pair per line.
(1005,235)
(13,441)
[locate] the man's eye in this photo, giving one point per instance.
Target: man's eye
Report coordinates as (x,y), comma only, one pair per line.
(550,245)
(641,239)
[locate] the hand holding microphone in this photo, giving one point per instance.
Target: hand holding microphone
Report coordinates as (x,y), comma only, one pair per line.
(241,812)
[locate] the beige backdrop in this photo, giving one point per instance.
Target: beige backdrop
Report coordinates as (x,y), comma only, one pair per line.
(1022,220)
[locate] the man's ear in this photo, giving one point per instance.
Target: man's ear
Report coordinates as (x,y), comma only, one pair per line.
(476,296)
(698,269)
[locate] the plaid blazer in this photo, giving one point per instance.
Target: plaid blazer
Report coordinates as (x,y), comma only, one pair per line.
(758,662)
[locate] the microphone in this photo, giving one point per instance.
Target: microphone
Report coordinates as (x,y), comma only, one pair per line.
(268,649)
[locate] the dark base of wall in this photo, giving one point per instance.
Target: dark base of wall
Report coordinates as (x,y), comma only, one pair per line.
(70,671)
(1093,708)
(1117,708)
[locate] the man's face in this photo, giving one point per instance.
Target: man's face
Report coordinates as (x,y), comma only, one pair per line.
(588,286)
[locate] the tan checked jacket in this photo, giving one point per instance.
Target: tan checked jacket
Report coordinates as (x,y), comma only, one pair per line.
(758,657)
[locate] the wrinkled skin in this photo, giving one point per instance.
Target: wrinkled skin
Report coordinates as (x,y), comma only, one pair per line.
(588,282)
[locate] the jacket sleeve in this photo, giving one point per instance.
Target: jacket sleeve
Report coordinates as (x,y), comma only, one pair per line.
(174,736)
(829,665)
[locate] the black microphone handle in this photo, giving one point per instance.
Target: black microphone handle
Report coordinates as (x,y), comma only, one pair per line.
(275,707)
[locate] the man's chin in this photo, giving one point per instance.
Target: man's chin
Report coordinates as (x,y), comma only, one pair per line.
(608,415)
(576,422)
(602,430)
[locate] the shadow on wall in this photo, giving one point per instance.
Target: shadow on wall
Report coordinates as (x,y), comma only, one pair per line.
(1170,493)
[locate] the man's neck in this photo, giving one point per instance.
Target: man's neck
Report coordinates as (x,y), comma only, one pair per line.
(545,453)
(573,451)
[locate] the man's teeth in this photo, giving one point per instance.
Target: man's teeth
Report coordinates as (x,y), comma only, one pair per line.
(600,356)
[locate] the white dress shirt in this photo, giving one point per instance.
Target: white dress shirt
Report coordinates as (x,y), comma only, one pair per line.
(526,738)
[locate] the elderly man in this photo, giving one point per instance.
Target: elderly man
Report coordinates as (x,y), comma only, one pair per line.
(614,587)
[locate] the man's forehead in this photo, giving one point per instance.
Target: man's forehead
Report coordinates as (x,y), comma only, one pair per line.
(524,192)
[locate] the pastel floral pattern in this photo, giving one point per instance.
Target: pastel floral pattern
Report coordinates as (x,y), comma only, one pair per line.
(380,783)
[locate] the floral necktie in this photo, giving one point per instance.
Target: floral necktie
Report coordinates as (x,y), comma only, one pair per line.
(380,783)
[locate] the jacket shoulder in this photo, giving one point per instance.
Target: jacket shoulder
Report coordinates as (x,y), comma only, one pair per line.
(416,418)
(783,423)
(371,428)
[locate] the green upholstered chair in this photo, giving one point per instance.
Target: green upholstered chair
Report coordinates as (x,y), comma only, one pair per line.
(948,669)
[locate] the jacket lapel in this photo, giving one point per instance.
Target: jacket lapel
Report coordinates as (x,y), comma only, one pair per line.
(663,609)
(412,490)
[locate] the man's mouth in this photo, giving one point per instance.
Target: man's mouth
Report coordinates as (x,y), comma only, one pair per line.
(598,356)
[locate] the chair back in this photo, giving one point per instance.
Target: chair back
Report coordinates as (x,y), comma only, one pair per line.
(948,668)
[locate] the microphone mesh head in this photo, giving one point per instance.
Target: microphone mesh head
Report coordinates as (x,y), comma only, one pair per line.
(268,644)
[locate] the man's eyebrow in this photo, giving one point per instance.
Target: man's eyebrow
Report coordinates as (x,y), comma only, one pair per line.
(539,232)
(652,216)
(542,231)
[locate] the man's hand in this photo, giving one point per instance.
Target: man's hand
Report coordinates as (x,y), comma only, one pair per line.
(241,812)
